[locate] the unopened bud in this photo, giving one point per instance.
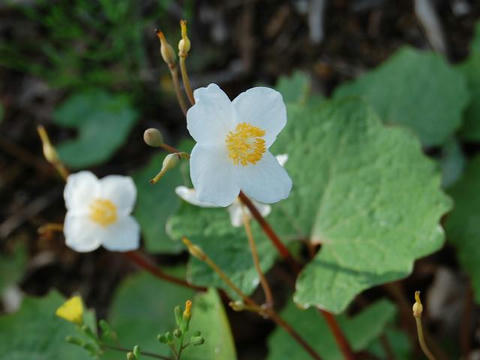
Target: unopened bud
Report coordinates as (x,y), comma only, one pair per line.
(166,50)
(130,356)
(153,137)
(187,315)
(194,249)
(184,43)
(417,307)
(136,352)
(74,340)
(170,161)
(48,150)
(197,340)
(162,338)
(236,305)
(177,333)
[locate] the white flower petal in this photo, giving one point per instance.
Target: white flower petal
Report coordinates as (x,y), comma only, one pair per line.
(236,213)
(282,159)
(213,175)
(120,190)
(263,209)
(80,190)
(124,235)
(266,181)
(262,107)
(190,196)
(81,234)
(212,116)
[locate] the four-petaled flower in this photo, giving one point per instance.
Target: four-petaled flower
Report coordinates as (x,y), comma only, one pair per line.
(98,213)
(233,137)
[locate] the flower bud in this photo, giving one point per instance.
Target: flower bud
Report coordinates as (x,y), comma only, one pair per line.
(177,333)
(130,356)
(194,249)
(153,137)
(166,50)
(417,307)
(136,352)
(184,43)
(170,161)
(197,340)
(48,150)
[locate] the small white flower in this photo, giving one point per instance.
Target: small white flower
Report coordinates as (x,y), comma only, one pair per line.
(235,209)
(233,137)
(98,213)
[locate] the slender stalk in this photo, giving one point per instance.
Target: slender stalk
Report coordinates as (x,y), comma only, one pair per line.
(256,262)
(50,227)
(266,312)
(417,314)
(387,347)
(421,340)
(144,353)
(340,338)
(267,229)
(169,148)
(176,86)
(282,323)
(186,79)
(140,260)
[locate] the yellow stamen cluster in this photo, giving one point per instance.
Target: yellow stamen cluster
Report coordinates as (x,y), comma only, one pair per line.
(245,145)
(103,212)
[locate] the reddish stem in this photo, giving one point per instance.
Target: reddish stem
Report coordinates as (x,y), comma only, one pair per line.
(340,338)
(139,259)
(267,229)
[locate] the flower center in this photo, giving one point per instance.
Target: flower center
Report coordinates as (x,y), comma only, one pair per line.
(103,212)
(245,145)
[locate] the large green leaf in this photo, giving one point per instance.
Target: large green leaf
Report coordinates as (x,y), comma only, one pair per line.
(463,224)
(34,332)
(294,88)
(155,204)
(211,229)
(360,331)
(103,122)
(142,308)
(365,192)
(209,317)
(415,89)
(471,69)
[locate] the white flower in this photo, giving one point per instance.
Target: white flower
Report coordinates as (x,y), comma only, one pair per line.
(235,209)
(233,137)
(98,213)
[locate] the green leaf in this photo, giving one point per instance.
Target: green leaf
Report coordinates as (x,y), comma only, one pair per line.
(452,162)
(471,70)
(399,343)
(103,122)
(12,267)
(211,229)
(415,89)
(34,332)
(365,192)
(360,331)
(209,317)
(294,88)
(155,204)
(142,308)
(463,224)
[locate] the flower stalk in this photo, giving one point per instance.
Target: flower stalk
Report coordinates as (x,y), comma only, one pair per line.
(168,56)
(266,312)
(417,314)
(50,153)
(140,260)
(183,49)
(251,242)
